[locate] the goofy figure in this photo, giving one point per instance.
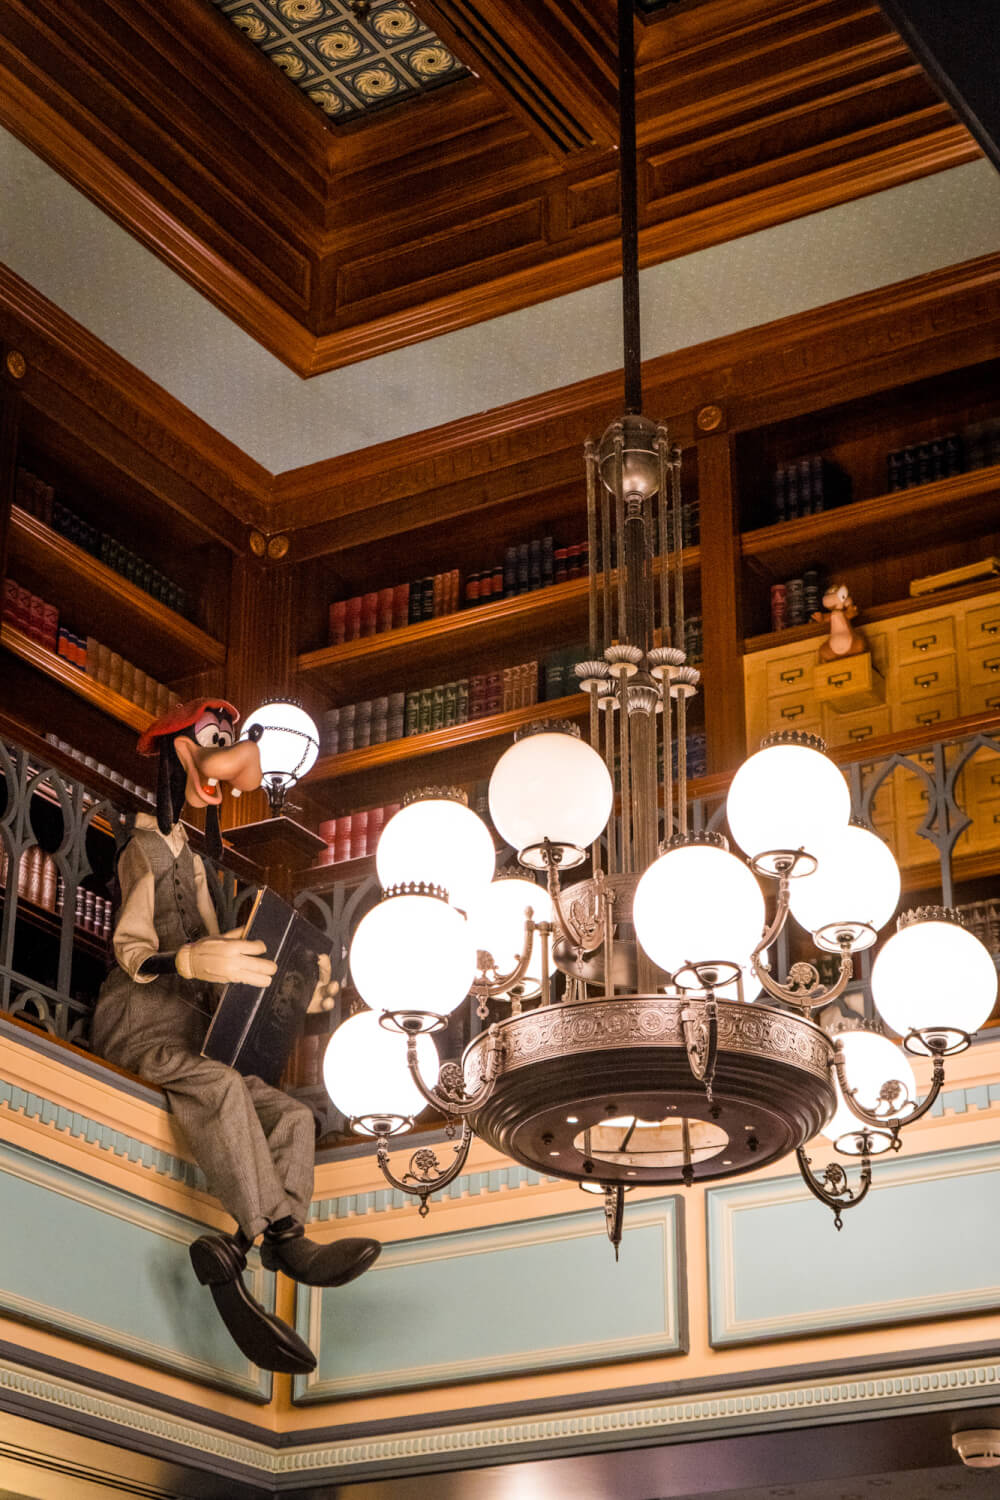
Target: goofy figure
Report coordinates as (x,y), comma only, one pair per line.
(254,1143)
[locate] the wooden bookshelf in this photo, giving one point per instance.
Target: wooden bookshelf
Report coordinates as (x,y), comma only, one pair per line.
(921,516)
(61,671)
(536,621)
(74,580)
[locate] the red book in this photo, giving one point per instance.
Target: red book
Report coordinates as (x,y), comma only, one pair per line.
(437,594)
(338,623)
(342,845)
(50,636)
(494,693)
(400,606)
(22,618)
(455,588)
(353,618)
(384,616)
(359,835)
(36,621)
(369,613)
(48,885)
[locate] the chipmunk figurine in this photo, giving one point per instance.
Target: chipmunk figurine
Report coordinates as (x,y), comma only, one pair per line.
(838,611)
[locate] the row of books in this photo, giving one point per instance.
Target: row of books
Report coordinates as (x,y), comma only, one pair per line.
(390,609)
(806,487)
(353,835)
(92,764)
(34,616)
(796,601)
(39,881)
(39,499)
(39,620)
(376,721)
(922,463)
(121,676)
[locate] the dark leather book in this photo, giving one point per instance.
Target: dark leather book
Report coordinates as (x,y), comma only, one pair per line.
(254,1030)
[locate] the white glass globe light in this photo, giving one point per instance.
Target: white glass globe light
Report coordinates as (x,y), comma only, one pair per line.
(698,904)
(553,786)
(787,797)
(856,880)
(441,842)
(366,1073)
(870,1060)
(497,925)
(288,744)
(934,974)
(413,953)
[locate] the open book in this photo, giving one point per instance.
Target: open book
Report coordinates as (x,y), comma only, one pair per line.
(254,1030)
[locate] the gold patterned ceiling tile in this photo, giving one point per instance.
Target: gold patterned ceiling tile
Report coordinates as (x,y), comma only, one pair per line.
(349,56)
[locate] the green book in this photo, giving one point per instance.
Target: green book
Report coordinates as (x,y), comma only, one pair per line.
(437,707)
(450,704)
(424,719)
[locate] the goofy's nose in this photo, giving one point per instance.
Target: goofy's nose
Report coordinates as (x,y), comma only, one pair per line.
(238,764)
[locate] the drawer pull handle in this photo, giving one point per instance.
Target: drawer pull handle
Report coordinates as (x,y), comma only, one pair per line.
(993,703)
(926,680)
(839,680)
(864,733)
(993,628)
(929,718)
(792,674)
(993,665)
(795,711)
(924,643)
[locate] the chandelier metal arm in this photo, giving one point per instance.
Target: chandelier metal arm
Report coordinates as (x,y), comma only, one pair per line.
(585,940)
(483,987)
(456,1102)
(805,992)
(833,1188)
(424,1175)
(890,1117)
(700,1023)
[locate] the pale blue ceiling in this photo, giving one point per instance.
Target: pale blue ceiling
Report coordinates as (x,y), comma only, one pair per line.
(86,263)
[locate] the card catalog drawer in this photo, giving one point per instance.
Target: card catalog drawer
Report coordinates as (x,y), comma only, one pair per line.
(929,679)
(983,625)
(918,641)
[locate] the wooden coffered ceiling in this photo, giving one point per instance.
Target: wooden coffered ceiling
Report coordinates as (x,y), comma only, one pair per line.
(330,243)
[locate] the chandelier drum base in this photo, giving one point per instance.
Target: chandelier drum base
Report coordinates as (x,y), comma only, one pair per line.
(602,1090)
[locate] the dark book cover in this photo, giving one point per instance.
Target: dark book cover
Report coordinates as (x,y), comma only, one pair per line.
(254,1030)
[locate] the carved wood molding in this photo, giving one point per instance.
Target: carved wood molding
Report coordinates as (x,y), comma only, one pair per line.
(334,245)
(914,329)
(71,373)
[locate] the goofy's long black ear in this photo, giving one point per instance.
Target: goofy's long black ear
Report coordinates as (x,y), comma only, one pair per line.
(164,787)
(213,832)
(171,786)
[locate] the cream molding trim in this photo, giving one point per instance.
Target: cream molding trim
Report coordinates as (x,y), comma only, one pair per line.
(769,1406)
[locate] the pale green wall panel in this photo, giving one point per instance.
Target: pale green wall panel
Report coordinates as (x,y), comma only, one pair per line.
(97,1264)
(541,1294)
(778,1267)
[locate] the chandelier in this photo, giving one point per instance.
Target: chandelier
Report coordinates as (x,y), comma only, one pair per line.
(668,1052)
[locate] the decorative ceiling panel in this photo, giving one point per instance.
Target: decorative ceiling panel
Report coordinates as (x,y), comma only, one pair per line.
(349,56)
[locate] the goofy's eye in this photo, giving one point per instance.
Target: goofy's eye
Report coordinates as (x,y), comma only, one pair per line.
(212,734)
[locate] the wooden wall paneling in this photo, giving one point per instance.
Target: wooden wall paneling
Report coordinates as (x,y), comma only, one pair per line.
(261,661)
(553,64)
(722,623)
(10,405)
(175,107)
(849,350)
(331,244)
